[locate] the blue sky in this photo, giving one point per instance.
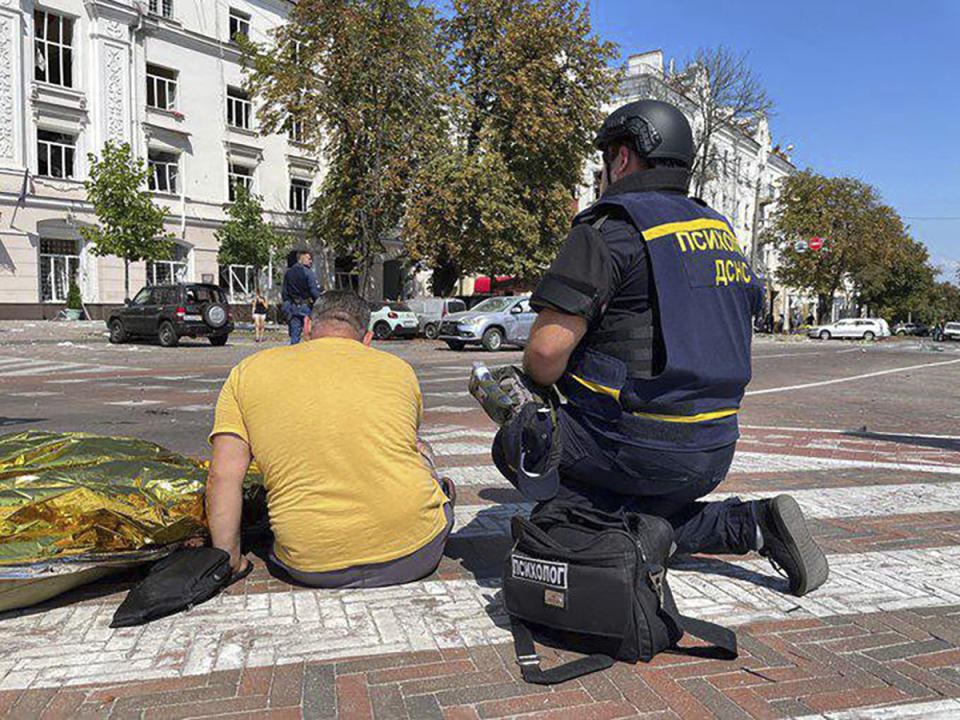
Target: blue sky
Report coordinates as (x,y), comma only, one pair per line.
(868,89)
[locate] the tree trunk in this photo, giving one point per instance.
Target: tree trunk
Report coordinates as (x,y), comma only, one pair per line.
(126,279)
(444,278)
(824,306)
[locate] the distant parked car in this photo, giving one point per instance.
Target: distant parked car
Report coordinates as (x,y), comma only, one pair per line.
(864,328)
(951,331)
(472,301)
(170,312)
(393,320)
(432,310)
(495,322)
(911,328)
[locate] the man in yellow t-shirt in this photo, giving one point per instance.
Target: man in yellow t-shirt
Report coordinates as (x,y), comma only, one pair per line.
(332,424)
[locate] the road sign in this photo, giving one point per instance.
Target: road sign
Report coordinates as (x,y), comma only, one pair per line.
(816,243)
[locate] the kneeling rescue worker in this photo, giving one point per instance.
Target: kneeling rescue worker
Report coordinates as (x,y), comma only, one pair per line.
(645,327)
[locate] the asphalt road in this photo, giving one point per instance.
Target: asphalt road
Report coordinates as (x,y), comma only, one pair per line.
(864,436)
(63,376)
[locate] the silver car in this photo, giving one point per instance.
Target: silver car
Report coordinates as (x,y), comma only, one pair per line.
(495,322)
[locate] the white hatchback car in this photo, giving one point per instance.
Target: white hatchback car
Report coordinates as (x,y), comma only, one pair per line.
(862,328)
(393,319)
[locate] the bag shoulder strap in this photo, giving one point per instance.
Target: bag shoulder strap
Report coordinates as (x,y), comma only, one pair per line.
(529,660)
(722,640)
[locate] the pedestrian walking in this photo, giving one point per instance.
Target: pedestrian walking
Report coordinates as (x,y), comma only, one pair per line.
(300,289)
(259,311)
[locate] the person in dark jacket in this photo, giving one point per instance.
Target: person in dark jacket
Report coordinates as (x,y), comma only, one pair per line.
(300,290)
(644,325)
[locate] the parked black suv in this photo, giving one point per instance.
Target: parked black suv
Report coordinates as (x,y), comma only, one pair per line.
(170,312)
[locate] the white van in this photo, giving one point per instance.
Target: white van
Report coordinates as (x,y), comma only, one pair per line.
(432,310)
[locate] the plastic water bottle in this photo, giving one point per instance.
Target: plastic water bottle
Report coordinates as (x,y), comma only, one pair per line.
(492,398)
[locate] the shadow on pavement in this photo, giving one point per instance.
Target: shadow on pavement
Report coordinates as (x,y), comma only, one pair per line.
(8,421)
(916,440)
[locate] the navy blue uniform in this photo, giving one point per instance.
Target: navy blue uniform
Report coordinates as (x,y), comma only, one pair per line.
(655,385)
(300,289)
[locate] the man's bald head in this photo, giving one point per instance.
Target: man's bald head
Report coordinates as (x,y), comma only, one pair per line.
(340,313)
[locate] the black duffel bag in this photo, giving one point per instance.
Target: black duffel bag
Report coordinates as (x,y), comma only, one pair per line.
(595,583)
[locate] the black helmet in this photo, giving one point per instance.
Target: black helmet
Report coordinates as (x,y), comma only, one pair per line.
(658,130)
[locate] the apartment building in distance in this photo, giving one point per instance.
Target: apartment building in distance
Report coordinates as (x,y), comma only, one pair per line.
(164,76)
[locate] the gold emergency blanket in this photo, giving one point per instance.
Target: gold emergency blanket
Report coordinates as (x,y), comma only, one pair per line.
(76,496)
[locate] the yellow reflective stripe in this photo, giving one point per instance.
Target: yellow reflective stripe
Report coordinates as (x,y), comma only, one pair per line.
(687,226)
(701,417)
(597,388)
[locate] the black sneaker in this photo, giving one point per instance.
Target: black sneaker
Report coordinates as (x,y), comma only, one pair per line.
(788,545)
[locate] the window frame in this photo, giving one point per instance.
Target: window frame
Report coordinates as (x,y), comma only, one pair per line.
(160,168)
(154,80)
(45,148)
(241,20)
(161,8)
(51,263)
(295,131)
(238,281)
(233,176)
(42,46)
(175,269)
(238,102)
(299,186)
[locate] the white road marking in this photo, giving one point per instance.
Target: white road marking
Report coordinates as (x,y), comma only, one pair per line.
(456,448)
(73,644)
(458,378)
(69,382)
(851,378)
(37,368)
(453,394)
(794,354)
(825,503)
(38,393)
(474,475)
(175,377)
(747,462)
(19,366)
(852,433)
(450,408)
(135,403)
(453,434)
(948,709)
(193,408)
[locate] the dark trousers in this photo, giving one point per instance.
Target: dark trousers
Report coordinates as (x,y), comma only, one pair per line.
(616,477)
(295,314)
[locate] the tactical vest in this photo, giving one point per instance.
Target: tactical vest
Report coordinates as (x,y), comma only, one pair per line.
(707,295)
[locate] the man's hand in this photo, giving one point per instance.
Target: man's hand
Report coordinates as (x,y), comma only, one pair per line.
(228,468)
(552,339)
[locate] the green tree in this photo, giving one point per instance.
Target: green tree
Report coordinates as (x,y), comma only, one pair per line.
(245,238)
(361,79)
(944,303)
(129,224)
(74,300)
(862,237)
(527,79)
(896,279)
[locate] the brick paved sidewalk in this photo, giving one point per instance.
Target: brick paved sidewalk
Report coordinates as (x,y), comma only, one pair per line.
(880,640)
(786,668)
